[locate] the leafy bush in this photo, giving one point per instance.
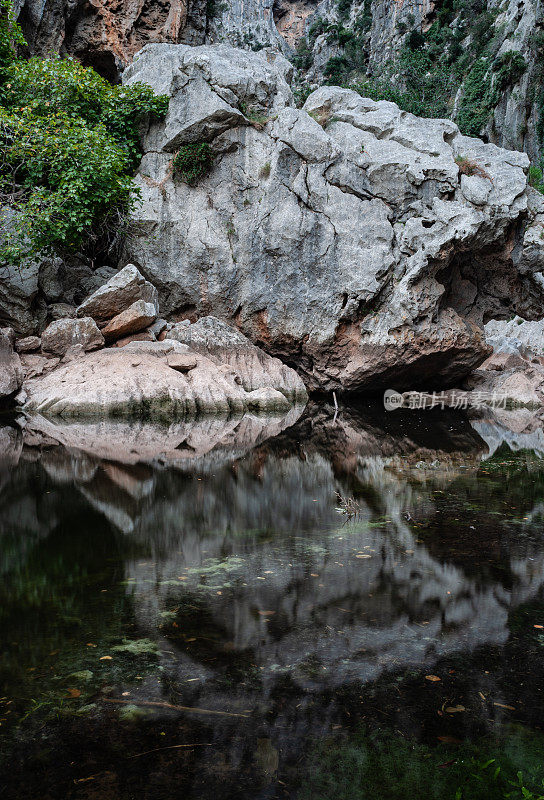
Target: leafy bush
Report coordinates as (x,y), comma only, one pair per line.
(69,141)
(509,68)
(536,178)
(193,161)
(67,177)
(10,34)
(476,106)
(425,90)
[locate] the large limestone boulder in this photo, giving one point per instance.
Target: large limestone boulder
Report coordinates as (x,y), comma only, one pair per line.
(144,379)
(11,371)
(363,244)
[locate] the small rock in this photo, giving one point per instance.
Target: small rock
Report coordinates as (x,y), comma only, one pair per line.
(144,336)
(61,311)
(158,326)
(132,320)
(503,361)
(125,288)
(28,345)
(267,400)
(181,362)
(62,334)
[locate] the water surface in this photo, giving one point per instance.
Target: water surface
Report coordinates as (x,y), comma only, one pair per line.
(187,612)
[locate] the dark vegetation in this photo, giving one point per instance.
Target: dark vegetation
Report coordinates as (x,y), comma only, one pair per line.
(193,161)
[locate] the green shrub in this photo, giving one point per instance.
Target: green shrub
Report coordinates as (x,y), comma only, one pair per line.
(69,142)
(475,107)
(509,68)
(65,86)
(10,34)
(69,176)
(193,161)
(536,178)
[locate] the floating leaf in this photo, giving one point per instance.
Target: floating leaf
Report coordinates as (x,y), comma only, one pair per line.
(448,739)
(501,705)
(455,709)
(106,658)
(73,693)
(266,613)
(432,678)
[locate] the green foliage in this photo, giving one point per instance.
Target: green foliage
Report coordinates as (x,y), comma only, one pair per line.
(426,90)
(509,68)
(536,178)
(71,176)
(11,35)
(214,8)
(65,86)
(388,767)
(193,161)
(476,103)
(69,141)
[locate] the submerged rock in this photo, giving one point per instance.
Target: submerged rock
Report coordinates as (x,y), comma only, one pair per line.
(357,241)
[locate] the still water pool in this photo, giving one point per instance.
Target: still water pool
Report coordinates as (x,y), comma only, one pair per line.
(313,607)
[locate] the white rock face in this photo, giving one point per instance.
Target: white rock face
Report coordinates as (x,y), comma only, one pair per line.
(340,237)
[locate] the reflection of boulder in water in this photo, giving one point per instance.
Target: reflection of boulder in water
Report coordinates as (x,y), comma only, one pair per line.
(131,442)
(259,525)
(519,429)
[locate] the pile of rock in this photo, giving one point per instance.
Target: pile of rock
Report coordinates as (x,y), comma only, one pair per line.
(109,361)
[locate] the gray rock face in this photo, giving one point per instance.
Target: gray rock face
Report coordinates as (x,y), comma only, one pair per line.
(11,372)
(62,334)
(340,237)
(117,294)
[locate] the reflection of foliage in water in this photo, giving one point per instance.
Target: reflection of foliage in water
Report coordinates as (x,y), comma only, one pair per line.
(389,767)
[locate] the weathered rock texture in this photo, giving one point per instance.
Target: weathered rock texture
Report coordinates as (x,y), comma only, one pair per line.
(225,345)
(116,295)
(343,237)
(105,34)
(143,379)
(65,333)
(11,372)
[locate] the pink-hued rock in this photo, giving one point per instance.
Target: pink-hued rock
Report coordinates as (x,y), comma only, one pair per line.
(133,319)
(182,362)
(144,336)
(140,380)
(28,345)
(62,334)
